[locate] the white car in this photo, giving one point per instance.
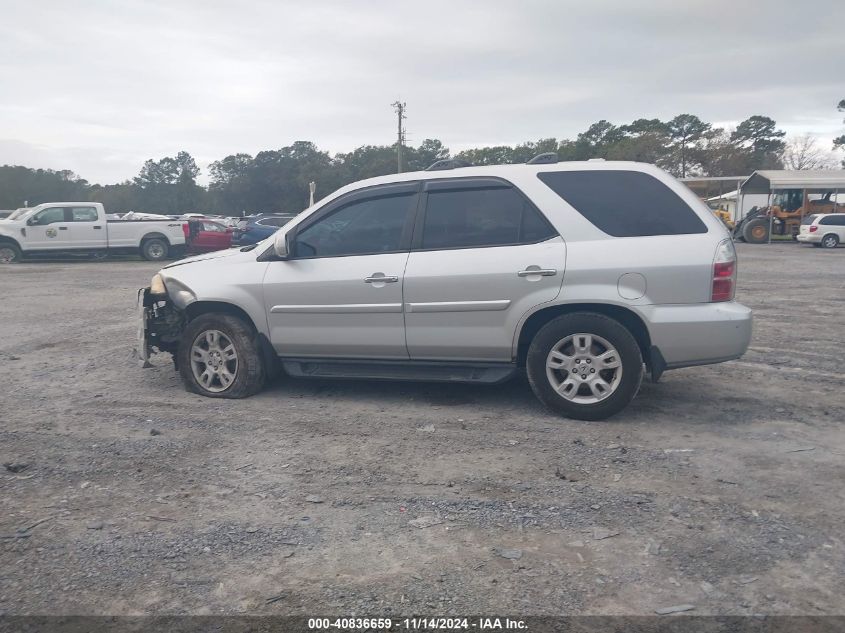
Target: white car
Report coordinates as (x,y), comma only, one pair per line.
(825,230)
(83,227)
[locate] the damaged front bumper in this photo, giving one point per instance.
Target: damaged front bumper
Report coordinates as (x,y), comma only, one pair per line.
(161,325)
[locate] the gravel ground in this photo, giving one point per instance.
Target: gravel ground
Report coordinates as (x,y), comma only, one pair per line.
(721,487)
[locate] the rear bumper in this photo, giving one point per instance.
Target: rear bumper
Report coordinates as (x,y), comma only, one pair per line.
(809,237)
(699,334)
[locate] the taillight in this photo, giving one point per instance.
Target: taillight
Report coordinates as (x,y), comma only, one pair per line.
(724,272)
(186,230)
(813,228)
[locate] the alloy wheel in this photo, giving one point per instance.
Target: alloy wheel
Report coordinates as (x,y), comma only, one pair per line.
(214,360)
(584,368)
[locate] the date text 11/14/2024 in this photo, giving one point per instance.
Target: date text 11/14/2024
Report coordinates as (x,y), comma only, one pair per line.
(417,624)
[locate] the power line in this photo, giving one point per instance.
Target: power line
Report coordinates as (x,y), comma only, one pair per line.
(399,108)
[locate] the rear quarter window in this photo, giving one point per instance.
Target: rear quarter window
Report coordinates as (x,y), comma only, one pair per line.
(624,203)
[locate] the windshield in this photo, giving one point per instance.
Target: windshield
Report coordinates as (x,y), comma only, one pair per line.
(18,213)
(788,200)
(808,219)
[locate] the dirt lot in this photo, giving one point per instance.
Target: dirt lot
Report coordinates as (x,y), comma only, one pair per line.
(720,487)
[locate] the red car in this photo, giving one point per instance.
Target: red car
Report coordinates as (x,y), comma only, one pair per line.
(204,236)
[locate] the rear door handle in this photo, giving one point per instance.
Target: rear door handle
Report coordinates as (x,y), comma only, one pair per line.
(381,279)
(543,272)
(98,227)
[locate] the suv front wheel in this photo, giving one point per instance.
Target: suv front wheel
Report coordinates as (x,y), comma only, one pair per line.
(219,357)
(584,365)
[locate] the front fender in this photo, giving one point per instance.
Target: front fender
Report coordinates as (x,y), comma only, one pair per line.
(10,234)
(236,281)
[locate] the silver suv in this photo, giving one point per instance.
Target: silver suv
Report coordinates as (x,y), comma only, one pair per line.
(582,273)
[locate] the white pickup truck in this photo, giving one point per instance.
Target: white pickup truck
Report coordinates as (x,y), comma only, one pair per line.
(82,227)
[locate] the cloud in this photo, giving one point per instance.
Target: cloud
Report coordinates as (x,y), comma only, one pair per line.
(105,85)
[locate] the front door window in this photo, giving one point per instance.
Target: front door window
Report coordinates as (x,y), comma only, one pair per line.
(365,227)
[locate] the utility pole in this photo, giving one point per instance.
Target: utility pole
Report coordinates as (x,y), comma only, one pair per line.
(399,108)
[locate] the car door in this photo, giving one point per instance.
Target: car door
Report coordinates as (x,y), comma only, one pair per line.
(219,236)
(834,223)
(207,236)
(339,294)
(49,229)
(482,256)
(86,228)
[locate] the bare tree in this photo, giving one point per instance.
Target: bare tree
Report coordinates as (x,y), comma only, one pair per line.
(803,152)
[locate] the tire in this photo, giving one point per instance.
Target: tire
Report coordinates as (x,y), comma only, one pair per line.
(9,253)
(154,249)
(831,240)
(756,231)
(246,371)
(623,382)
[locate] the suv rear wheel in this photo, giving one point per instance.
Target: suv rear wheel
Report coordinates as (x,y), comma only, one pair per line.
(219,357)
(585,365)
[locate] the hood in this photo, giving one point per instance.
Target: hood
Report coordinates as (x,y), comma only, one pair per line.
(9,227)
(231,252)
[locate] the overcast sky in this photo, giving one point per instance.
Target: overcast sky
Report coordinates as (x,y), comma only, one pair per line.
(99,86)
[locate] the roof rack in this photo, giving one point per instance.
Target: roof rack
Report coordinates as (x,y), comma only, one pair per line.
(449,163)
(546,158)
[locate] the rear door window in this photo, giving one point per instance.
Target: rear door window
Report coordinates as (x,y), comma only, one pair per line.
(475,217)
(624,203)
(83,214)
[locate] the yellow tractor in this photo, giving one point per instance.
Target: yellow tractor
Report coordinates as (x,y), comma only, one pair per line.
(788,209)
(725,216)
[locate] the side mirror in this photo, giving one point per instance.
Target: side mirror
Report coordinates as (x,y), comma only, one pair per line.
(31,222)
(281,244)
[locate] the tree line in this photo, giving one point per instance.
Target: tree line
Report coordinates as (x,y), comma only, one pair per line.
(278,180)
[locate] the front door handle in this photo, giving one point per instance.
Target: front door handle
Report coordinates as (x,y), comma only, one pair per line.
(543,272)
(380,278)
